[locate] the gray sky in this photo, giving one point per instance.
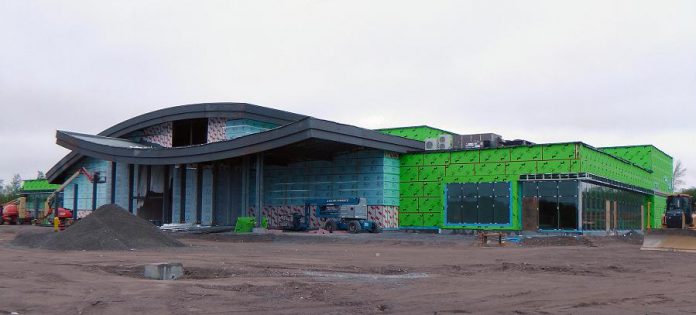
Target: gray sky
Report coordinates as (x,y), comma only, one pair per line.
(603,72)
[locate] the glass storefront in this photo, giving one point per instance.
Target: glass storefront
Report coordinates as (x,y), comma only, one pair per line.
(556,205)
(624,211)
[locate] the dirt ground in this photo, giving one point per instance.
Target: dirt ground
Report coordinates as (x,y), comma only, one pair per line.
(390,273)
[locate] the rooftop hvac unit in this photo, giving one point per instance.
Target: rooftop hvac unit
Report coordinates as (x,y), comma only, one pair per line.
(478,141)
(430,144)
(442,142)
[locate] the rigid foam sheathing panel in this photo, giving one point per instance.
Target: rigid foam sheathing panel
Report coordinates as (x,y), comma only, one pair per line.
(487,169)
(432,219)
(495,155)
(467,156)
(526,153)
(433,189)
(521,168)
(434,159)
(460,170)
(558,151)
(430,173)
(553,167)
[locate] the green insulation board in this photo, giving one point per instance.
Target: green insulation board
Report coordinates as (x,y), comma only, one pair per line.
(419,133)
(424,176)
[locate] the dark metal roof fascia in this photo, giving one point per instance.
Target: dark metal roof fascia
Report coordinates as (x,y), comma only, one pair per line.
(275,138)
(203,110)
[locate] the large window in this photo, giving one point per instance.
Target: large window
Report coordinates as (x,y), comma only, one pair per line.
(189,132)
(478,203)
(557,203)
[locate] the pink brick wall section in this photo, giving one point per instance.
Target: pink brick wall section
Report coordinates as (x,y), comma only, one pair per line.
(216,129)
(160,134)
(278,216)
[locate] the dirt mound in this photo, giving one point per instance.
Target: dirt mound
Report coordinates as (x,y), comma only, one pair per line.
(108,228)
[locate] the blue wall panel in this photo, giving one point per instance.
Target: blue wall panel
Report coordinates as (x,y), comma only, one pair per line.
(190,195)
(121,185)
(367,173)
(176,196)
(207,189)
(84,199)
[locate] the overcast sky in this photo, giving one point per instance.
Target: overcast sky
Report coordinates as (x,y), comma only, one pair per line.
(603,72)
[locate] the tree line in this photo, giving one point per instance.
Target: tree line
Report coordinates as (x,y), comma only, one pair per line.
(10,191)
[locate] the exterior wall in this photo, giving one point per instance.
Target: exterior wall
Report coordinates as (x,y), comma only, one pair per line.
(419,133)
(370,174)
(160,134)
(280,216)
(122,185)
(84,198)
(236,128)
(425,175)
(649,158)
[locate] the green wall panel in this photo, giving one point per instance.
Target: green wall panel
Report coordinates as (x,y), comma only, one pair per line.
(424,175)
(521,168)
(563,151)
(469,156)
(526,153)
(419,133)
(495,155)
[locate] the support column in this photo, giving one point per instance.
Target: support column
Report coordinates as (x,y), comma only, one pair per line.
(182,193)
(259,188)
(245,185)
(607,215)
(199,193)
(113,182)
(75,195)
(213,192)
(95,181)
(642,218)
(649,216)
(166,198)
(131,180)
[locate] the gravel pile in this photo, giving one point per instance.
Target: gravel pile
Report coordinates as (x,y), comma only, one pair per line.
(108,228)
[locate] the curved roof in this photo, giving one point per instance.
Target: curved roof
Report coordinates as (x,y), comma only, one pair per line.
(294,128)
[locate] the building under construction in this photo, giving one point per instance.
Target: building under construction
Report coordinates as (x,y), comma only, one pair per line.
(210,164)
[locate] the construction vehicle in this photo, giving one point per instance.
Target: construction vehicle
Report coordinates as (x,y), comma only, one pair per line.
(15,212)
(66,216)
(344,214)
(678,232)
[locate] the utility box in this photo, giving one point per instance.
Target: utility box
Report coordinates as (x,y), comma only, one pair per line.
(164,271)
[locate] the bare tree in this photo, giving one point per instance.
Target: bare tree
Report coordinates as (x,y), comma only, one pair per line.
(40,175)
(678,175)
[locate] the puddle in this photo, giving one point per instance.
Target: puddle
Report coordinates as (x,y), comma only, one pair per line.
(364,276)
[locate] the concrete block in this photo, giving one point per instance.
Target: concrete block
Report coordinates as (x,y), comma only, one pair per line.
(259,230)
(164,271)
